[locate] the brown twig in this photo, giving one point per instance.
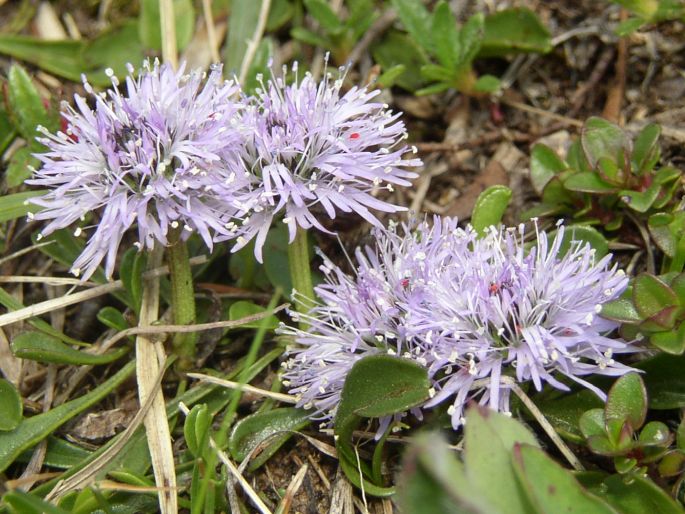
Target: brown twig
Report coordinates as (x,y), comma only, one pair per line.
(612,106)
(383,23)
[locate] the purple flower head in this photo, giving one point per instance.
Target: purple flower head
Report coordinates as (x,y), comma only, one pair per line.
(479,314)
(155,155)
(367,313)
(312,148)
(501,310)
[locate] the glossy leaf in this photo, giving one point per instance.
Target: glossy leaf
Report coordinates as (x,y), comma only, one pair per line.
(564,412)
(621,310)
(42,347)
(514,31)
(601,138)
(588,182)
(11,406)
(646,151)
(268,431)
(592,423)
(670,341)
(551,488)
(584,234)
(627,400)
(376,386)
(112,318)
(544,165)
(651,295)
(59,454)
(36,428)
(490,207)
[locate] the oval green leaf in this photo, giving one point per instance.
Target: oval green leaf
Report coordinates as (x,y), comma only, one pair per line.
(11,406)
(490,207)
(627,401)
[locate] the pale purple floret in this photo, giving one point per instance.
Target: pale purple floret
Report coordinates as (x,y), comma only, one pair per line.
(155,155)
(470,310)
(313,150)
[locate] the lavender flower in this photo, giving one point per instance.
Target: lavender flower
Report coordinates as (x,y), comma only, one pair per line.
(311,147)
(500,310)
(470,310)
(367,314)
(156,156)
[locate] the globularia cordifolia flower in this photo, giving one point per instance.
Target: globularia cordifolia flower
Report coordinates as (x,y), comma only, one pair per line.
(155,155)
(502,310)
(312,149)
(470,310)
(366,314)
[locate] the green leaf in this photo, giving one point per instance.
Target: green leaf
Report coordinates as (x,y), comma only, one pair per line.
(241,28)
(445,35)
(634,494)
(114,48)
(470,39)
(627,401)
(565,411)
(621,310)
(16,205)
(376,386)
(276,258)
(243,308)
(627,27)
(398,49)
(307,36)
(33,430)
(196,429)
(640,201)
(487,84)
(62,58)
(646,151)
(488,442)
(323,14)
(490,207)
(551,488)
(112,318)
(133,264)
(25,503)
(21,167)
(59,454)
(42,347)
(280,13)
(645,9)
(26,104)
(390,76)
(150,29)
(265,430)
(417,20)
(433,481)
(672,341)
(651,295)
(11,406)
(65,249)
(592,423)
(575,235)
(655,433)
(601,138)
(514,31)
(588,182)
(7,131)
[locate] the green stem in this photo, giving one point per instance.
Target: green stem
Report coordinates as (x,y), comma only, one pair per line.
(300,271)
(182,300)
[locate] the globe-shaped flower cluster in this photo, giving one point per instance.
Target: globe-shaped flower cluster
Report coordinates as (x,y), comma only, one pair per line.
(469,309)
(175,153)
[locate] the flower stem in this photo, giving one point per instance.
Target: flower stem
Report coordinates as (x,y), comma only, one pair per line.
(300,271)
(182,300)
